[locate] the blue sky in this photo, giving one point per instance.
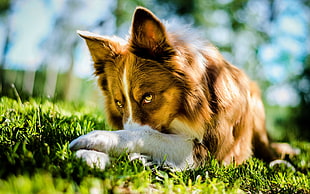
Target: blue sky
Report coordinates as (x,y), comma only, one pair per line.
(282,57)
(32,21)
(289,37)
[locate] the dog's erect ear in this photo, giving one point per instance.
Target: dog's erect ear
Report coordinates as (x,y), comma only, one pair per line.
(148,36)
(102,49)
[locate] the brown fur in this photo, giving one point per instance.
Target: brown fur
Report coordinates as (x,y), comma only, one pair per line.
(195,91)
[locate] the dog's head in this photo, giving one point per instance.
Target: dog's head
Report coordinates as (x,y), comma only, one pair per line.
(143,79)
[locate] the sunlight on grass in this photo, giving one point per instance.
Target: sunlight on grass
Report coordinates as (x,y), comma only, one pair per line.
(35,158)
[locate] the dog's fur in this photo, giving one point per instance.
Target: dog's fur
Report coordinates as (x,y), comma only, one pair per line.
(177,100)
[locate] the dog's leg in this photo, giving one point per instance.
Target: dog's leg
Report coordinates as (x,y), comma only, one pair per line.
(261,143)
(260,140)
(176,150)
(94,158)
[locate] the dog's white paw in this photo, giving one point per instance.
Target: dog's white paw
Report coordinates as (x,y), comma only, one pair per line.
(274,163)
(93,158)
(102,141)
(146,160)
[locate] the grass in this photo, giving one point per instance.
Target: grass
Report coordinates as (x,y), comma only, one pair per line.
(34,158)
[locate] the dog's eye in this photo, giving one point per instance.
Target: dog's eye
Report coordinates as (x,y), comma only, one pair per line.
(147,98)
(119,104)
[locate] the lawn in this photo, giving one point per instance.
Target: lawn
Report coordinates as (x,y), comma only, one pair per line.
(34,158)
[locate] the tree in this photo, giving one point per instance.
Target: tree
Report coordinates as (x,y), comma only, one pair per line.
(4,16)
(300,114)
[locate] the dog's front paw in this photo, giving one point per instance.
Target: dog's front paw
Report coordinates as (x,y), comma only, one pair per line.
(277,163)
(102,141)
(145,159)
(94,158)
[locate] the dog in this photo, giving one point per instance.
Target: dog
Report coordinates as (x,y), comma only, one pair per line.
(174,99)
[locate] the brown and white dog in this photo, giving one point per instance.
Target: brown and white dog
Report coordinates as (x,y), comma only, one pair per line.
(176,98)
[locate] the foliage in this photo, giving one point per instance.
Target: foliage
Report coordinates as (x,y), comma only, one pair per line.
(300,114)
(34,158)
(4,6)
(90,91)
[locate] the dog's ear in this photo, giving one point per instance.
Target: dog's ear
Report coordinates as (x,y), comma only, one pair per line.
(103,49)
(148,36)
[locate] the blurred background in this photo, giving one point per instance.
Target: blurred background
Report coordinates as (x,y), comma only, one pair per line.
(41,55)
